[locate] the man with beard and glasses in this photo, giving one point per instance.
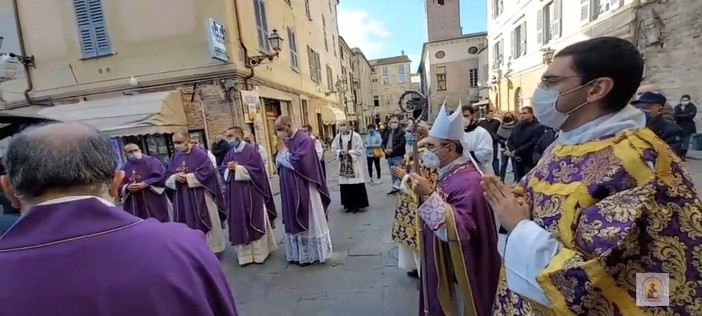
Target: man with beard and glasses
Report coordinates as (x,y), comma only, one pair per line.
(608,207)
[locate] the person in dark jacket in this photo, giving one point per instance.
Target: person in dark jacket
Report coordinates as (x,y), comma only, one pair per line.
(220,148)
(542,144)
(684,114)
(509,121)
(491,124)
(394,147)
(651,104)
(522,141)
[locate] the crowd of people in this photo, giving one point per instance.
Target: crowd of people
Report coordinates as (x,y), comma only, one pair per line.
(599,198)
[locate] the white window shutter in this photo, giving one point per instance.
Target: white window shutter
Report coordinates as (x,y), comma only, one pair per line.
(556,13)
(523,38)
(585,10)
(614,4)
(540,27)
(513,43)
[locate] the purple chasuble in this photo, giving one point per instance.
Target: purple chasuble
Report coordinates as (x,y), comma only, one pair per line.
(246,200)
(145,203)
(295,195)
(477,238)
(85,257)
(189,204)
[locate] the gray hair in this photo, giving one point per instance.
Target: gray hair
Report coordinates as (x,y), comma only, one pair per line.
(38,160)
(422,126)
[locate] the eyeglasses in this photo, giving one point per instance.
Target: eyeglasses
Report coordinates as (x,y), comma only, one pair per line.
(550,80)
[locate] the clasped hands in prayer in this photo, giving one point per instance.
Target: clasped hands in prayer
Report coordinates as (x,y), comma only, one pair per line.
(232,165)
(181,177)
(137,186)
(510,210)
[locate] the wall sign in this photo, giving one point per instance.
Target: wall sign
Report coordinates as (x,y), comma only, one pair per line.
(218,41)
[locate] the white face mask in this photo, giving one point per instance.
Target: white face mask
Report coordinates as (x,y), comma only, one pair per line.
(342,129)
(685,102)
(393,125)
(466,122)
(180,147)
(545,111)
(430,159)
(281,134)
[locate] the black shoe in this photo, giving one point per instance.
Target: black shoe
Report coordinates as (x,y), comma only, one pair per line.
(355,210)
(413,274)
(393,192)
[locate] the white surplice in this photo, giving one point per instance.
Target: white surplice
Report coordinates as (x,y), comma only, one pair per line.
(315,243)
(215,237)
(357,150)
(258,250)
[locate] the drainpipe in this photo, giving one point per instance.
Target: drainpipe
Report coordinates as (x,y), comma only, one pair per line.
(23,52)
(243,46)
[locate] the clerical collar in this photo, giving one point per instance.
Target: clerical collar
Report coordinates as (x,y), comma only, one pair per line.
(629,118)
(75,198)
(470,127)
(459,161)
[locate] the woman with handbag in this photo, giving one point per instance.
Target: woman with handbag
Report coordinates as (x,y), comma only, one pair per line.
(348,147)
(374,151)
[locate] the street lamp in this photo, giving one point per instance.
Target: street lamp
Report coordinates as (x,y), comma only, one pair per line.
(24,60)
(275,40)
(547,55)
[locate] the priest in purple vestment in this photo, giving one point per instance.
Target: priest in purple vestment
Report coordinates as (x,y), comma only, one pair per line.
(197,196)
(249,199)
(74,253)
(461,265)
(304,195)
(143,187)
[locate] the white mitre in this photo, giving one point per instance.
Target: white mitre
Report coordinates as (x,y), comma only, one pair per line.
(448,127)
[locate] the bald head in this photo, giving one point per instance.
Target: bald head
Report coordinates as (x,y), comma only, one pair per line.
(59,157)
(284,127)
(181,141)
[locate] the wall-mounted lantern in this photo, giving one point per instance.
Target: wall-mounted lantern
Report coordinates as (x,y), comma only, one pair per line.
(275,40)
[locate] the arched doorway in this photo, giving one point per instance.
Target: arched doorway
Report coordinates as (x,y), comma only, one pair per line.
(518,99)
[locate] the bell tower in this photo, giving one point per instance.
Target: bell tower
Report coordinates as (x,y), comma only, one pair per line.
(443,19)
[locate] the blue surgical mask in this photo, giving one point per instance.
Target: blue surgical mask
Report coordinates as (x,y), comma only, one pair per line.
(179,147)
(234,143)
(134,156)
(430,159)
(545,100)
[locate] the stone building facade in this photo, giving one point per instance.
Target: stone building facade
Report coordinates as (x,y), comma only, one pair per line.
(669,34)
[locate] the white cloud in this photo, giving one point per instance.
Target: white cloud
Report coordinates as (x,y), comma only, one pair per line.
(362,31)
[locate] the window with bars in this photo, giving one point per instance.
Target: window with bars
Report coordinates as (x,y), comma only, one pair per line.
(92,28)
(440,78)
(473,77)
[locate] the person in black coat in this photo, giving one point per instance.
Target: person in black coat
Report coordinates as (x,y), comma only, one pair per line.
(522,141)
(652,105)
(491,124)
(684,114)
(542,144)
(220,148)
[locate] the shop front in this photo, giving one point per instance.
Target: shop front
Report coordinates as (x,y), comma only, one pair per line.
(148,120)
(331,117)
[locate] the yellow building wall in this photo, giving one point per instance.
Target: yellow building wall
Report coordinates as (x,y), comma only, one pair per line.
(389,95)
(505,95)
(148,42)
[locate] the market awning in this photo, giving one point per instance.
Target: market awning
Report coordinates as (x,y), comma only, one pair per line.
(332,115)
(142,114)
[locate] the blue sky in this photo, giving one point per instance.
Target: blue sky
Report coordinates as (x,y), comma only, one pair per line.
(384,28)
